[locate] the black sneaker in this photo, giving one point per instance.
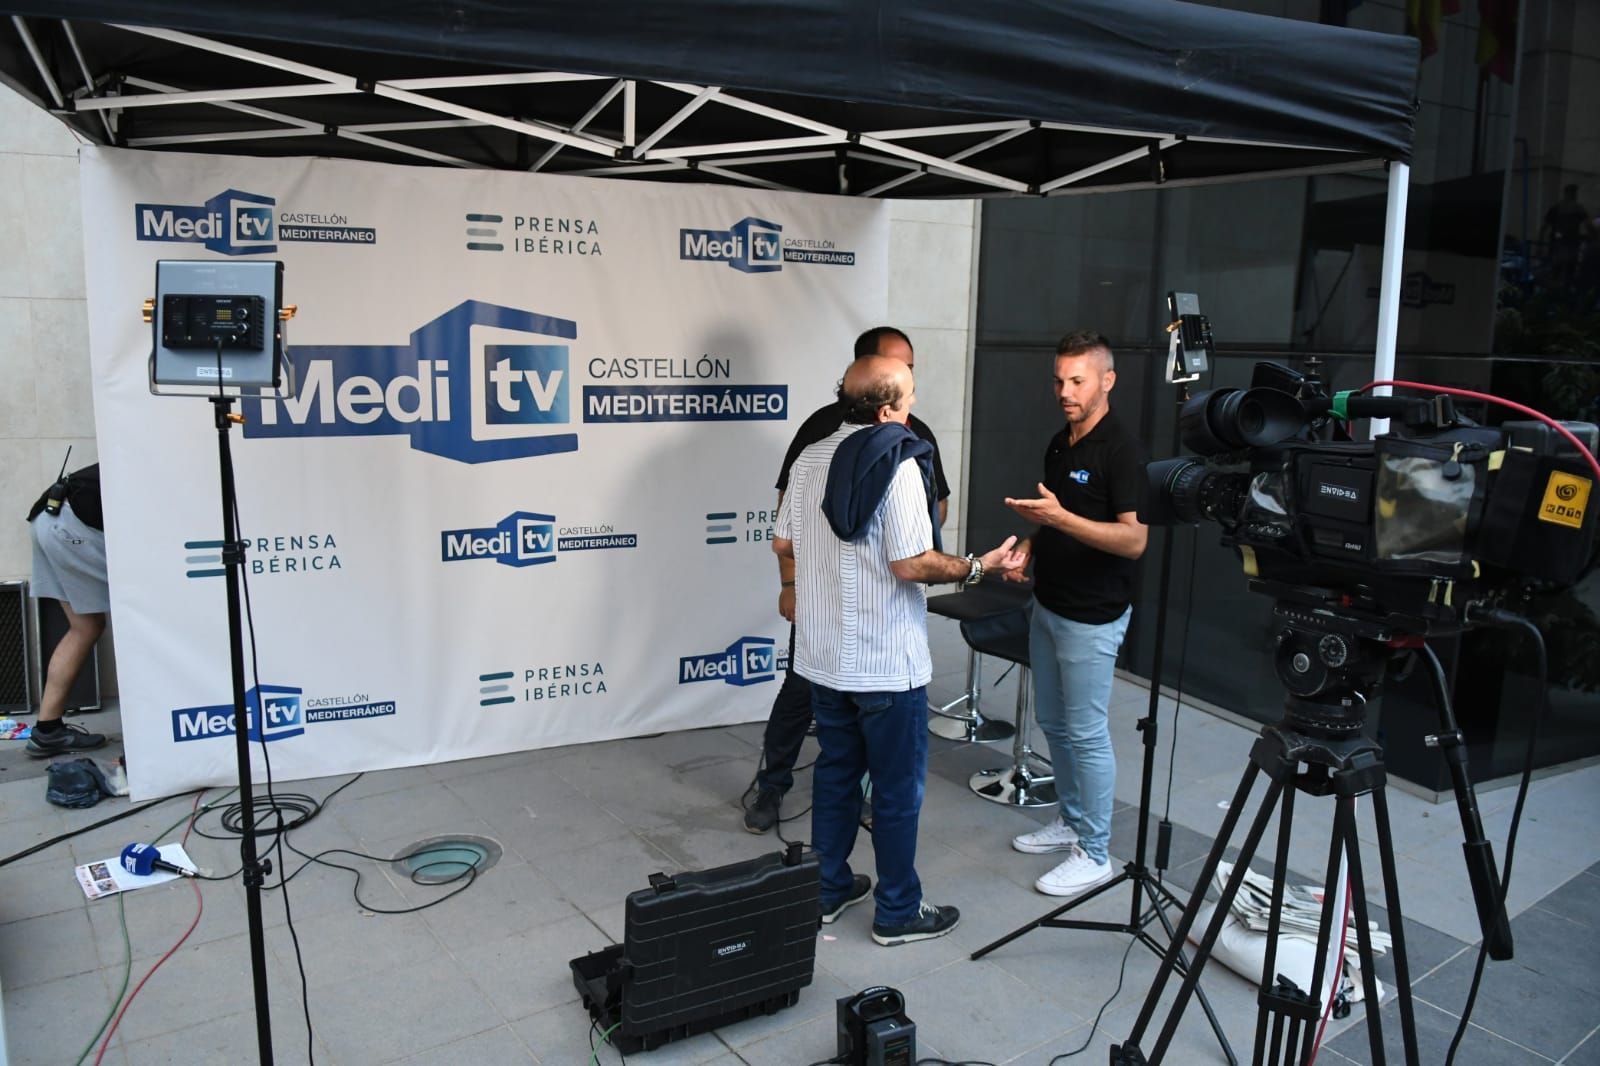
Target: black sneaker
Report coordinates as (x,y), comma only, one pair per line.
(62,741)
(931,921)
(860,889)
(762,815)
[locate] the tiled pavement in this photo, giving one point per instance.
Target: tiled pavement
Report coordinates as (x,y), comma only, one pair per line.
(483,978)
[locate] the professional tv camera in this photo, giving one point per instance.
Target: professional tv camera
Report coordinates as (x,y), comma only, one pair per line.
(1408,528)
(1368,548)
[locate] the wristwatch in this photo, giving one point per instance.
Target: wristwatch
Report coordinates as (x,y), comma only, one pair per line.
(974,575)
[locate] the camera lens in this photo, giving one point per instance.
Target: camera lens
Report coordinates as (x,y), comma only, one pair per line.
(1183,489)
(1226,420)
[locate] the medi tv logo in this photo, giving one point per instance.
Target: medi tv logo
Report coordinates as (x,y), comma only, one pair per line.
(751,245)
(526,538)
(479,383)
(230,223)
(272,712)
(747,661)
(757,246)
(522,538)
(275,712)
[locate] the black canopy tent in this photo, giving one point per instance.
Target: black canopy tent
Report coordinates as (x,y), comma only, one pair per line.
(921,98)
(948,98)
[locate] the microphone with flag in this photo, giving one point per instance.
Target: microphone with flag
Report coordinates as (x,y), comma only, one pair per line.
(144,859)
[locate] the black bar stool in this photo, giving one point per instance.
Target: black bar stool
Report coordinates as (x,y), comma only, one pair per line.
(983,600)
(1005,636)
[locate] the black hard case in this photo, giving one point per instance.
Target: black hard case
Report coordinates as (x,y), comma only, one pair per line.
(706,949)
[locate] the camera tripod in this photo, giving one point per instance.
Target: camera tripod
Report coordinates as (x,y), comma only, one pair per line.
(1330,663)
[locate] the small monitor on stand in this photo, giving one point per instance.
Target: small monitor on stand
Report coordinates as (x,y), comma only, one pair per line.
(1189,343)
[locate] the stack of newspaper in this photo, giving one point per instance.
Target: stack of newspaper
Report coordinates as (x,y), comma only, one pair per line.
(1302,910)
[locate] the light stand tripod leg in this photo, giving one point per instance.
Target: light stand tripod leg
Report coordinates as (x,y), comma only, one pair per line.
(254,871)
(1169,960)
(1183,967)
(1397,932)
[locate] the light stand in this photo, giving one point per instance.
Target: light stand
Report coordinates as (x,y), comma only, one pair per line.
(255,869)
(217,325)
(1146,887)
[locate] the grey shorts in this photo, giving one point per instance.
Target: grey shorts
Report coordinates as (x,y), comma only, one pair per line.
(69,562)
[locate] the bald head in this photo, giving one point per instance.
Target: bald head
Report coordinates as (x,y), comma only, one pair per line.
(877,389)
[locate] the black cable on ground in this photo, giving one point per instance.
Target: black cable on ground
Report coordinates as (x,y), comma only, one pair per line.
(468,872)
(232,819)
(1516,820)
(64,837)
(1122,972)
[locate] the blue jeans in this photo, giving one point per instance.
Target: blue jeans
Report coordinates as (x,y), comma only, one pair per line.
(1072,665)
(886,733)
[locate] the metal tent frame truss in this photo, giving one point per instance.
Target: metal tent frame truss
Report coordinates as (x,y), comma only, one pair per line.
(258,102)
(658,139)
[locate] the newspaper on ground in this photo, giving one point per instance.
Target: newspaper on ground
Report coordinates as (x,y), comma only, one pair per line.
(107,877)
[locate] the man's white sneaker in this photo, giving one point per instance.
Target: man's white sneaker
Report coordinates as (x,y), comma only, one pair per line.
(1078,873)
(1057,836)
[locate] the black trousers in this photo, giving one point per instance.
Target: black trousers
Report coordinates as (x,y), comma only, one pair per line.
(786,729)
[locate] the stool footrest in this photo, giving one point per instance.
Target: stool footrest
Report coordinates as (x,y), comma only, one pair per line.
(1014,786)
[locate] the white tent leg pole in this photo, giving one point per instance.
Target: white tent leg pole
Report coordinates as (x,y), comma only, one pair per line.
(1389,275)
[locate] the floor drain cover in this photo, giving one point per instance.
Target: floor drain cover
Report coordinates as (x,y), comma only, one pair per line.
(440,859)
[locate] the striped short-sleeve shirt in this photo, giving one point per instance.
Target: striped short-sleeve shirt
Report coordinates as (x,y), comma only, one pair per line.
(858,628)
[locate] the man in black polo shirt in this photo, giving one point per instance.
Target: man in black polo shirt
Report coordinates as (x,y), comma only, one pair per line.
(1085,553)
(791,708)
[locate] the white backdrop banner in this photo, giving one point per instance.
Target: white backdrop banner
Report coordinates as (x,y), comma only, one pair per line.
(524,495)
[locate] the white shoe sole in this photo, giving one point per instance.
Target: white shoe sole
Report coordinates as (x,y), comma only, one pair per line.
(1075,890)
(1040,849)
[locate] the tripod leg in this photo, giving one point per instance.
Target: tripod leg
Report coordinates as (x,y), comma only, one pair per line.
(1277,1041)
(1241,866)
(1269,968)
(1358,896)
(1397,933)
(1170,960)
(1344,806)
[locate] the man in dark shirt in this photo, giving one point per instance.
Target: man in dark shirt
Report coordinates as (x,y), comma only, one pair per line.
(791,708)
(1085,554)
